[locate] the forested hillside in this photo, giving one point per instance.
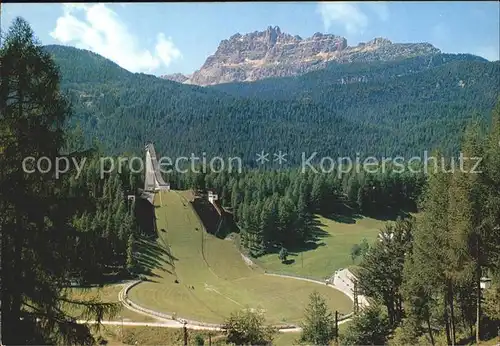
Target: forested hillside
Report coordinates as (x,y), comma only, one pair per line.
(425,107)
(334,73)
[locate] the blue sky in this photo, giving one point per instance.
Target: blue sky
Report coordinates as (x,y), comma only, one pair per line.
(162,38)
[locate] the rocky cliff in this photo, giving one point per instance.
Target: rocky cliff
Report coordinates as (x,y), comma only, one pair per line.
(176,77)
(272,53)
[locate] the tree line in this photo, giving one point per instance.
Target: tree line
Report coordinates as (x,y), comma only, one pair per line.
(55,230)
(388,116)
(275,209)
(427,272)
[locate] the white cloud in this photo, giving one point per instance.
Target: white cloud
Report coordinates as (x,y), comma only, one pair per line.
(349,15)
(166,49)
(104,33)
(346,14)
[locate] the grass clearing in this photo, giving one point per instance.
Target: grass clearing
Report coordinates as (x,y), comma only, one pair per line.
(333,251)
(213,279)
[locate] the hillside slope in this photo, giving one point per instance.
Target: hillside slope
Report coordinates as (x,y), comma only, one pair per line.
(359,72)
(212,278)
(386,115)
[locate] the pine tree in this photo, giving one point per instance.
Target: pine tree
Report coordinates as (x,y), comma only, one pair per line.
(361,199)
(432,250)
(267,222)
(465,219)
(352,187)
(491,180)
(368,328)
(38,239)
(381,273)
(418,295)
(318,327)
(491,299)
(119,218)
(257,246)
(130,254)
(304,219)
(317,192)
(286,220)
(235,196)
(489,232)
(283,254)
(244,223)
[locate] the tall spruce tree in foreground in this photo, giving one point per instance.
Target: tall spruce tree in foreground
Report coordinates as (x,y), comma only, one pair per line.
(370,327)
(433,253)
(490,230)
(456,240)
(491,178)
(37,237)
(247,327)
(318,327)
(381,272)
(465,219)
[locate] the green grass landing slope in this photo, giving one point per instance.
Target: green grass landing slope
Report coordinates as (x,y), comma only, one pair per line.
(213,279)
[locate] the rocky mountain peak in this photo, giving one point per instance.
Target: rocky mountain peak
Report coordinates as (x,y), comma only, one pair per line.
(379,41)
(176,77)
(272,35)
(273,30)
(273,53)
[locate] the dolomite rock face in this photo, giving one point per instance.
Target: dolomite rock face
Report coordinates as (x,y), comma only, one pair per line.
(176,77)
(272,53)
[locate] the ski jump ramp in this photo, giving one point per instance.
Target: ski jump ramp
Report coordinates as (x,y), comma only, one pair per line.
(153,180)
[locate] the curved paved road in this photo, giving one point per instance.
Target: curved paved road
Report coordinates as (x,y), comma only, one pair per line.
(342,281)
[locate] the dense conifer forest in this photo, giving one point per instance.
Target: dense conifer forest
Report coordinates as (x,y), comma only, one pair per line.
(398,108)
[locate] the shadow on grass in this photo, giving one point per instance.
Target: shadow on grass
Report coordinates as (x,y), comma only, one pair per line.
(389,215)
(228,226)
(354,217)
(150,256)
(312,243)
(149,253)
(488,333)
(348,215)
(208,215)
(146,218)
(344,212)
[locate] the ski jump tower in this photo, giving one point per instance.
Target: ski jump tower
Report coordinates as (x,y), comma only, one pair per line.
(153,180)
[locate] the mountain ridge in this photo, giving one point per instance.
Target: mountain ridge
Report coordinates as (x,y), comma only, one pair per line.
(386,115)
(273,53)
(343,74)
